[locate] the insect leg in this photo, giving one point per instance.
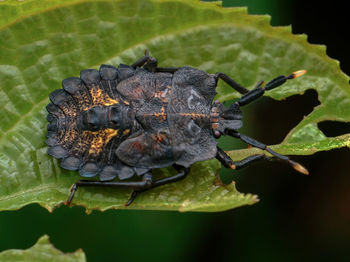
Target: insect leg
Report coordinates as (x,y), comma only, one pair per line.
(146,182)
(259,90)
(148,62)
(182,173)
(141,61)
(255,143)
(229,163)
(242,90)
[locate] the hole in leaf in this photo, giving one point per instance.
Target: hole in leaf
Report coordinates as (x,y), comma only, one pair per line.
(271,120)
(334,128)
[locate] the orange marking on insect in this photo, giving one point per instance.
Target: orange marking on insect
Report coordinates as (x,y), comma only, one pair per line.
(161,137)
(214,125)
(126,131)
(161,114)
(195,115)
(70,135)
(69,110)
(101,98)
(100,138)
(162,95)
(136,146)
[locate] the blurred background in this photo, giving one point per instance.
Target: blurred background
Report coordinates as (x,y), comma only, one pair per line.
(298,218)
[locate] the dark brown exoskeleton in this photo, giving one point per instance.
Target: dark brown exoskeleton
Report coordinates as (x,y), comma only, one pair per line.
(119,122)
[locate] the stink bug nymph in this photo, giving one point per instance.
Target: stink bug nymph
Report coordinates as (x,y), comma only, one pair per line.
(117,123)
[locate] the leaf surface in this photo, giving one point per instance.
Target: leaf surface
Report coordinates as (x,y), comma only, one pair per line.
(44,251)
(42,46)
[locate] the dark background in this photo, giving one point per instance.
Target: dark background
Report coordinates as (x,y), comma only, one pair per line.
(304,218)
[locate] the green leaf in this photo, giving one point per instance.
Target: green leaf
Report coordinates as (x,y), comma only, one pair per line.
(41,46)
(43,250)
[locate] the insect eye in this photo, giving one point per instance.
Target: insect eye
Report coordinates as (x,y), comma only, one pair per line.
(93,118)
(115,115)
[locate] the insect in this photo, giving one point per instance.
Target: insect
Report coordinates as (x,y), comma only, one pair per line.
(117,123)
